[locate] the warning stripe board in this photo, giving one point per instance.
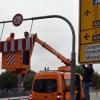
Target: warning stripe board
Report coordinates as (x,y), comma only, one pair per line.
(14,61)
(16,45)
(11,58)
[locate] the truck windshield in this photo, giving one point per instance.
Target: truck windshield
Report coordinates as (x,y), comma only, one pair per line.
(45,85)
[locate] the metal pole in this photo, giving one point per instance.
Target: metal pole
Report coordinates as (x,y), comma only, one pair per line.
(73,54)
(2,31)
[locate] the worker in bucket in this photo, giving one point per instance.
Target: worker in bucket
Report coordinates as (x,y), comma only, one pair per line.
(11,37)
(26,34)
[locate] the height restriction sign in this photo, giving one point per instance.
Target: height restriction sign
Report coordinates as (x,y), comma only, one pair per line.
(89,34)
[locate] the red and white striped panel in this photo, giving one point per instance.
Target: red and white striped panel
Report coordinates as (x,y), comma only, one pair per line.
(17,44)
(11,58)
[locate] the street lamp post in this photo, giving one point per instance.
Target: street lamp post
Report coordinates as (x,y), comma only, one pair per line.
(73,54)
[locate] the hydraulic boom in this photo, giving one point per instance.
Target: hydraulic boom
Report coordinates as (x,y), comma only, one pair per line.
(50,49)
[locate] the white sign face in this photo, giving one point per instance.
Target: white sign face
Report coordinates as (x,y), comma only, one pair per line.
(17,19)
(92,53)
(89,35)
(96,2)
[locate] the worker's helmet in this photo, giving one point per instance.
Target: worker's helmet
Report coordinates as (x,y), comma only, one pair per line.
(12,34)
(26,34)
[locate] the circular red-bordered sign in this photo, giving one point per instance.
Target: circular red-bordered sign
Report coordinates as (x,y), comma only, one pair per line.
(17,20)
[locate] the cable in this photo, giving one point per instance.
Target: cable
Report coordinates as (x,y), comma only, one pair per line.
(31,27)
(2,31)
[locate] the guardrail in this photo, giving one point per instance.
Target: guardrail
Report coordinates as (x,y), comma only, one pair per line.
(13,93)
(16,98)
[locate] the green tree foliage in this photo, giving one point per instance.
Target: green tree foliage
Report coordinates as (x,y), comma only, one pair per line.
(96,80)
(28,83)
(8,80)
(79,70)
(28,80)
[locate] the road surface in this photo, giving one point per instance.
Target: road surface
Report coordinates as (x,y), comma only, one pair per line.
(93,96)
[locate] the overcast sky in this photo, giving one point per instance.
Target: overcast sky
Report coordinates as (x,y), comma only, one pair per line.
(55,32)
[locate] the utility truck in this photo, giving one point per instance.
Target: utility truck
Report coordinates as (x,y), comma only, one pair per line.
(55,85)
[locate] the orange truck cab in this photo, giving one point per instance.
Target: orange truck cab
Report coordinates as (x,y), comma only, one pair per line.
(55,85)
